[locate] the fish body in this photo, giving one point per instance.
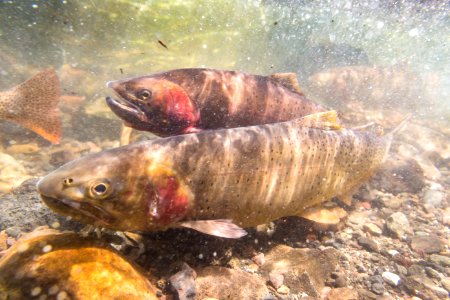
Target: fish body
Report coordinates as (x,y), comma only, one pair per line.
(248,176)
(376,87)
(34,105)
(188,100)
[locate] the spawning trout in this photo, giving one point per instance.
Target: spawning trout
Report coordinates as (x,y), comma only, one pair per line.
(189,100)
(34,105)
(217,181)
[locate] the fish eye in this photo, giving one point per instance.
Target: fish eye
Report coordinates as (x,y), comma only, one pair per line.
(100,189)
(144,94)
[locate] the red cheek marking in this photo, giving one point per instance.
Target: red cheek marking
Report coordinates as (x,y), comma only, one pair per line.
(166,203)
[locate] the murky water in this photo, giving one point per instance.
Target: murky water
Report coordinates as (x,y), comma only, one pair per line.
(372,61)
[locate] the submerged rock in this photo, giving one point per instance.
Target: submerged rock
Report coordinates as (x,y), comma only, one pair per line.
(63,265)
(304,270)
(183,283)
(23,210)
(398,224)
(426,244)
(224,283)
(399,175)
(12,173)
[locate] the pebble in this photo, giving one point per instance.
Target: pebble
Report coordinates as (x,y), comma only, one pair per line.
(415,270)
(398,224)
(376,284)
(391,278)
(433,198)
(391,201)
(183,283)
(342,294)
(373,229)
(432,273)
(259,259)
(401,269)
(13,231)
(377,288)
(446,284)
(446,217)
(283,290)
(368,244)
(426,244)
(340,281)
(276,279)
(440,260)
(393,252)
(424,285)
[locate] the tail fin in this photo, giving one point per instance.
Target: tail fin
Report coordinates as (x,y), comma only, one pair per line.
(37,100)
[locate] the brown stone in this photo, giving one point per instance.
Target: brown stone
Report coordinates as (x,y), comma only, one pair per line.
(304,270)
(344,293)
(427,244)
(225,283)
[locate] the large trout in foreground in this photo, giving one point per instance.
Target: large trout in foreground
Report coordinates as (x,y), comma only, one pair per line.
(189,100)
(217,181)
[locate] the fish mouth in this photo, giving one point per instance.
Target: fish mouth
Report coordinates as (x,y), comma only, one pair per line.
(83,210)
(126,110)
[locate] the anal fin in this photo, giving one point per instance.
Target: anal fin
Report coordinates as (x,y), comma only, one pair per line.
(222,228)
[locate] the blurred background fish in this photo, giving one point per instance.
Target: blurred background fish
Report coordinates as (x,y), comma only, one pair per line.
(34,105)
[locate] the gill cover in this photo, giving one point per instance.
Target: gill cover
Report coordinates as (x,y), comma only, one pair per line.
(166,197)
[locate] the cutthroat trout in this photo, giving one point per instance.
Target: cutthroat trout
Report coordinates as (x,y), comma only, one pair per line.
(189,100)
(217,181)
(34,105)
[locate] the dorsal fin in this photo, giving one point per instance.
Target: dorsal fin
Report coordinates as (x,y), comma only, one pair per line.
(288,80)
(322,120)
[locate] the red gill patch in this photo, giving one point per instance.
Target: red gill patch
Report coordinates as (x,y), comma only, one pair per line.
(166,203)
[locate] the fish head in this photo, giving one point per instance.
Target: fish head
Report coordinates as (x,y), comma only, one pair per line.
(111,190)
(153,104)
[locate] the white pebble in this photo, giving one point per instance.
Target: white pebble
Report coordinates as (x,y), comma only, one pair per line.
(391,278)
(393,252)
(47,248)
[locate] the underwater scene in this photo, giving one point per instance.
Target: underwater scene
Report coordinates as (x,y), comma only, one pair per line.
(265,149)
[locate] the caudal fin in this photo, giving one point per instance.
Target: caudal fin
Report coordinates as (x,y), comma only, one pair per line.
(37,101)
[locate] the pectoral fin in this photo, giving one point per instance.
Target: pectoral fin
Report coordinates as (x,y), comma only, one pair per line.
(323,120)
(324,215)
(222,228)
(288,80)
(192,130)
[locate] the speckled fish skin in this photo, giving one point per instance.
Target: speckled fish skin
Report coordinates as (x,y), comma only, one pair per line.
(250,175)
(34,105)
(184,100)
